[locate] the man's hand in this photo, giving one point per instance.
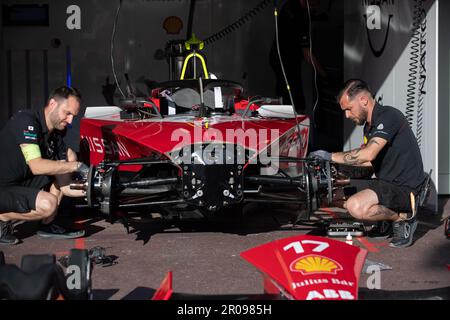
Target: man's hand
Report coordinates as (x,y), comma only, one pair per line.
(71,155)
(81,172)
(320,154)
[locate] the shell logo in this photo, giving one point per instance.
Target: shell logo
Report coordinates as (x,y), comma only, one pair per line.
(315,264)
(173,25)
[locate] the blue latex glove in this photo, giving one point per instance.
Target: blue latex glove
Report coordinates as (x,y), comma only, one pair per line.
(321,154)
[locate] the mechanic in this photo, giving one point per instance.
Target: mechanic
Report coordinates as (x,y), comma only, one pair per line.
(392,150)
(294,42)
(37,169)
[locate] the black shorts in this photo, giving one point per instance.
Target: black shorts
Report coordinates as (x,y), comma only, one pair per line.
(21,197)
(391,196)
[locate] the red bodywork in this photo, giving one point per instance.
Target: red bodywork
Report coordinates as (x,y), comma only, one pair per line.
(309,267)
(110,138)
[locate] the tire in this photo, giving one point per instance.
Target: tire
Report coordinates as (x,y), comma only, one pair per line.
(31,263)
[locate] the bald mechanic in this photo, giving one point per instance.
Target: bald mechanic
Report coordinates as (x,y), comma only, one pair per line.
(392,150)
(36,168)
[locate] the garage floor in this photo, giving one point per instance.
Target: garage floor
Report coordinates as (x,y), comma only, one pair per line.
(205,260)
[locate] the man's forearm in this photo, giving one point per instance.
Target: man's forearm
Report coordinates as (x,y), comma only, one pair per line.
(353,158)
(51,168)
(63,184)
(72,193)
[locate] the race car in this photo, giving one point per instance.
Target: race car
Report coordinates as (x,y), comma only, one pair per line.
(199,145)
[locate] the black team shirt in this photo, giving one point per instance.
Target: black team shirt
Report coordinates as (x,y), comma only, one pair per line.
(400,161)
(26,127)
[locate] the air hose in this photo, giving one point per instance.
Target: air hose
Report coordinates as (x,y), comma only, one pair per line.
(415,78)
(423,76)
(238,23)
(112,48)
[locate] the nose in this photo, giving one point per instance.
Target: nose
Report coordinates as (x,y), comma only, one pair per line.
(347,114)
(69,119)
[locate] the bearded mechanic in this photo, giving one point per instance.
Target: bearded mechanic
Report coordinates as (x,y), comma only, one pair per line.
(37,168)
(391,149)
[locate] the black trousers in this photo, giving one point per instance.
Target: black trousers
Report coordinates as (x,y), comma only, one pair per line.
(394,197)
(21,197)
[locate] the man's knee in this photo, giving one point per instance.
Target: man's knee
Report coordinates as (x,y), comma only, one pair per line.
(356,208)
(46,204)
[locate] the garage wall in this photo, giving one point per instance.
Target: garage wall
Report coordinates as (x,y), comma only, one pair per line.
(139,35)
(444,97)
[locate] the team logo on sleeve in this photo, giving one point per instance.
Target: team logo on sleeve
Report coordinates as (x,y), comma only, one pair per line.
(29,135)
(30,128)
(380,127)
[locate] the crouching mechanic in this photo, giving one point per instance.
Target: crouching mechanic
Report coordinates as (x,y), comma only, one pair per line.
(392,150)
(36,168)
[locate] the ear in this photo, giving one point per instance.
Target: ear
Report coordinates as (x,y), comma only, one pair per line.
(52,104)
(364,100)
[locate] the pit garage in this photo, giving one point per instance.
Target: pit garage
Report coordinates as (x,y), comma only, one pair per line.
(195,140)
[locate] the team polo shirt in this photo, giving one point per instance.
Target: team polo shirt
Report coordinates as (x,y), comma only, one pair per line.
(400,161)
(27,127)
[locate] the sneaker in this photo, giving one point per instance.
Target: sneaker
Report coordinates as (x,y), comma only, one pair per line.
(381,230)
(403,233)
(7,233)
(56,231)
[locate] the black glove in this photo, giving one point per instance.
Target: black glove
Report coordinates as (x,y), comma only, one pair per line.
(320,154)
(81,173)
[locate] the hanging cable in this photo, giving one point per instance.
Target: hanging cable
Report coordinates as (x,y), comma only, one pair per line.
(280,58)
(422,76)
(112,48)
(316,88)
